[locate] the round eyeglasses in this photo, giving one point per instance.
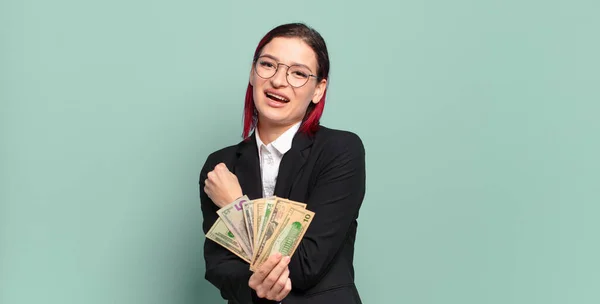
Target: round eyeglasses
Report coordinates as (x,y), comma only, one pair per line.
(297,75)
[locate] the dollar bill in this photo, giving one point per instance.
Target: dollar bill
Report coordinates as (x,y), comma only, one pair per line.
(301,205)
(269,226)
(248,208)
(266,212)
(255,229)
(259,207)
(290,223)
(220,234)
(264,217)
(233,216)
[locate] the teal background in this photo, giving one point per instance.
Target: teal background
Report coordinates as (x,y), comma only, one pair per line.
(480,121)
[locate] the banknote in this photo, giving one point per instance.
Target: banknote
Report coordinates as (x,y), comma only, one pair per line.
(265,216)
(255,229)
(233,216)
(269,225)
(248,208)
(257,213)
(266,213)
(301,205)
(222,236)
(290,223)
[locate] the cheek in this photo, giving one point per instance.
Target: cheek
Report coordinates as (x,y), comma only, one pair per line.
(257,88)
(304,96)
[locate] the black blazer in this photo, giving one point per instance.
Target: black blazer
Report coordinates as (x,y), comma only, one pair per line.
(327,172)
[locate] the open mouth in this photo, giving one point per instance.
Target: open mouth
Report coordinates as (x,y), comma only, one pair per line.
(276,97)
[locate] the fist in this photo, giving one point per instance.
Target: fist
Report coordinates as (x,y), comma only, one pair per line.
(222,186)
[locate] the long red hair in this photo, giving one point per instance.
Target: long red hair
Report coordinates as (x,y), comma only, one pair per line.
(310,123)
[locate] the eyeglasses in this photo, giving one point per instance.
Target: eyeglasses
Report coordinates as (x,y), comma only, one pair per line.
(297,75)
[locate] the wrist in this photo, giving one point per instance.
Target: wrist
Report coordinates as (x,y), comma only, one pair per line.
(236,197)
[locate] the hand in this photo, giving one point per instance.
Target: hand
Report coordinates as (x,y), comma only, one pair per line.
(271,280)
(222,186)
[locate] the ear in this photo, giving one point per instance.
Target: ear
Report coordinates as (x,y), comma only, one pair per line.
(319,91)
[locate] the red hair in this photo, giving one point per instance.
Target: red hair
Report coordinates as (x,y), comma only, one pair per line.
(310,123)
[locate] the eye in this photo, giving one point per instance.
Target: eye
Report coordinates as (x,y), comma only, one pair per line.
(300,74)
(266,64)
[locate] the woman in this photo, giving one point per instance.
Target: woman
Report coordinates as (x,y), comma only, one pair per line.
(286,153)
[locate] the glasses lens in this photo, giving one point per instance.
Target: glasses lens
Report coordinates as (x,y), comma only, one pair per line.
(298,75)
(266,67)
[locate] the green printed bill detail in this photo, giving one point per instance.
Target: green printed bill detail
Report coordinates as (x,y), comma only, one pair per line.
(290,231)
(248,209)
(221,235)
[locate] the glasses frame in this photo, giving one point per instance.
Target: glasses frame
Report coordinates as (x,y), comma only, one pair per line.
(287,74)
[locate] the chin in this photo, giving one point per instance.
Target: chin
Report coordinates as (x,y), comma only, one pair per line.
(272,116)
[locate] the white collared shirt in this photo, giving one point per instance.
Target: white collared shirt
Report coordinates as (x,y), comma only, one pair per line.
(270,157)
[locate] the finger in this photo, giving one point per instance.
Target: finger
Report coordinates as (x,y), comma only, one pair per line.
(279,285)
(264,270)
(221,166)
(275,273)
(233,176)
(210,175)
(252,282)
(285,291)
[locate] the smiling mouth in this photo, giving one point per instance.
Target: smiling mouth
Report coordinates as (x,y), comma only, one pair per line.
(277,97)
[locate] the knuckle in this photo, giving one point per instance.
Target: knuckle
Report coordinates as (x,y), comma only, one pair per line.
(279,287)
(269,280)
(262,272)
(281,282)
(260,293)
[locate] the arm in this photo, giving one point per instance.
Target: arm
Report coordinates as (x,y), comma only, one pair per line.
(336,199)
(224,269)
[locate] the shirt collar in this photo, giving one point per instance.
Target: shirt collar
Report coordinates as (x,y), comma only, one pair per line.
(283,143)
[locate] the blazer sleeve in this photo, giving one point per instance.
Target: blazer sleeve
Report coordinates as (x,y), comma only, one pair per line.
(336,199)
(224,269)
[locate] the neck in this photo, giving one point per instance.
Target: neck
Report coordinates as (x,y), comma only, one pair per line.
(270,132)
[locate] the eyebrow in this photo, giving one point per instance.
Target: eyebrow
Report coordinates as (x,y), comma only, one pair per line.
(293,63)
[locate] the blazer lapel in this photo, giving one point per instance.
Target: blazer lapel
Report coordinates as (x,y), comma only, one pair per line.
(292,163)
(247,168)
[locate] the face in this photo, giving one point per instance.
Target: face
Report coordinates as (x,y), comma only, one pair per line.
(278,103)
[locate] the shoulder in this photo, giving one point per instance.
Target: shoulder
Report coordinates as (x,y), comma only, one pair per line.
(221,154)
(334,147)
(336,140)
(224,155)
(338,153)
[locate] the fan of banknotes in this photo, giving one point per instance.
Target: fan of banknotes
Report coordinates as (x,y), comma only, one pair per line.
(256,229)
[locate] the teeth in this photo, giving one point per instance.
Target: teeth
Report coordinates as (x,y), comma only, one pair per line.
(277,97)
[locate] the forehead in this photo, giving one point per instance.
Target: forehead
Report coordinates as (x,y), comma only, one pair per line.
(290,51)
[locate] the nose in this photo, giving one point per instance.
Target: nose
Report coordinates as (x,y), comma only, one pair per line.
(280,77)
